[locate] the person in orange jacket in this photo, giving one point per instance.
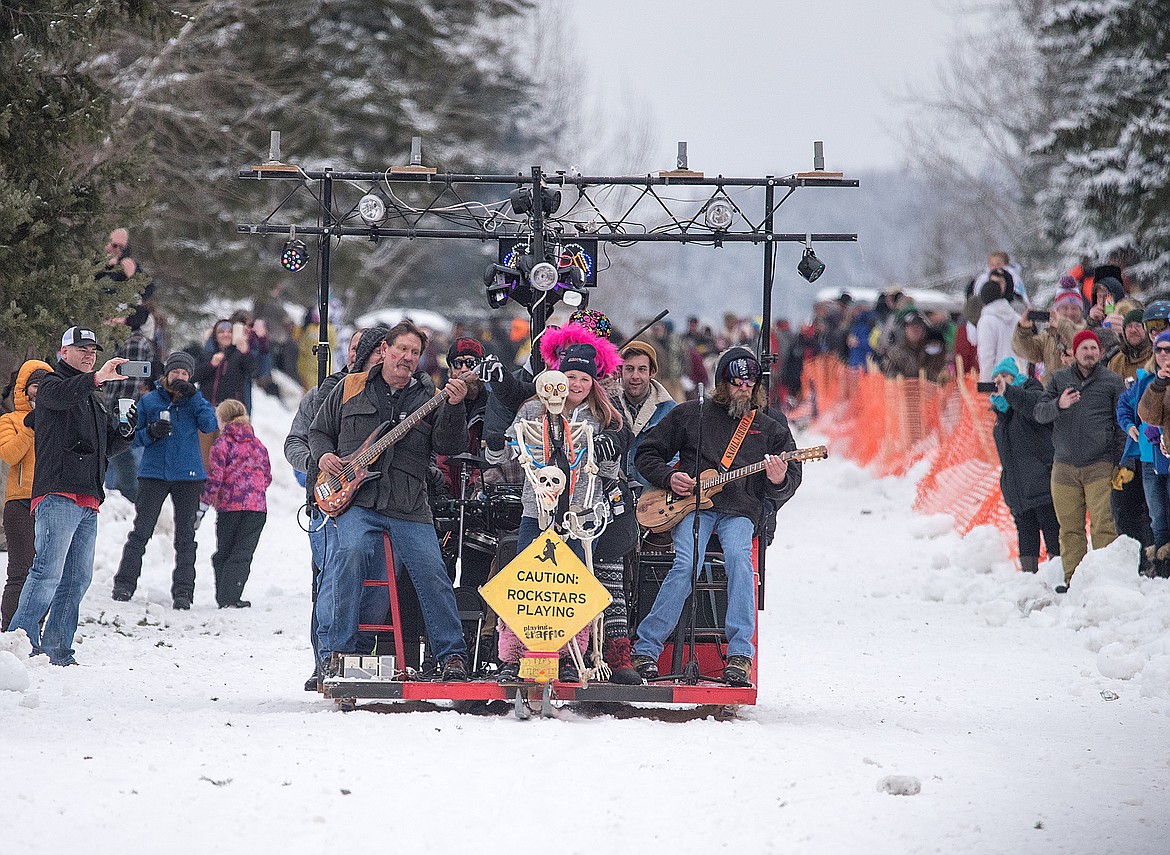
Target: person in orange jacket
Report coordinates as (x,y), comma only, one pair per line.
(16,447)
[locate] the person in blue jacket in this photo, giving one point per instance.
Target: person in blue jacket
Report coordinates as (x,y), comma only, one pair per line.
(1143,442)
(170,419)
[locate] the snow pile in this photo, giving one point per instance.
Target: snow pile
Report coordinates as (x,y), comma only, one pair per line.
(14,650)
(1121,616)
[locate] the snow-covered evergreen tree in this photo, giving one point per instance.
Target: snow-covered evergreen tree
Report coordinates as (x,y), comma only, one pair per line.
(1109,187)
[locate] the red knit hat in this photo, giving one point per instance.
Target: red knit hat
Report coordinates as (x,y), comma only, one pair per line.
(1082,336)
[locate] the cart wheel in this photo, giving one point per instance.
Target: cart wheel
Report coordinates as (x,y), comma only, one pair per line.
(546,707)
(520,707)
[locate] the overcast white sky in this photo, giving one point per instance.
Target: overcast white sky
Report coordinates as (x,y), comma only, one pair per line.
(751,83)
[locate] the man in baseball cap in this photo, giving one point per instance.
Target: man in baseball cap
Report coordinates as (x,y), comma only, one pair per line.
(80,337)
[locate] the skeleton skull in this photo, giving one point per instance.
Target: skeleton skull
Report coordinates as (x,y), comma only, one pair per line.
(552,387)
(550,483)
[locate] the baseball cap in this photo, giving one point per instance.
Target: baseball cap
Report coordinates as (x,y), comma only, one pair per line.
(79,336)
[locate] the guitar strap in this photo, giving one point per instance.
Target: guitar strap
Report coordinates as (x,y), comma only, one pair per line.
(737,438)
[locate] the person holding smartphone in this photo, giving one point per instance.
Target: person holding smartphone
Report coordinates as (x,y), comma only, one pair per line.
(170,421)
(75,435)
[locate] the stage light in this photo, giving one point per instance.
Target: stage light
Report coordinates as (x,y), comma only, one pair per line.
(575,299)
(810,267)
(719,214)
(542,276)
(372,208)
(521,199)
(295,255)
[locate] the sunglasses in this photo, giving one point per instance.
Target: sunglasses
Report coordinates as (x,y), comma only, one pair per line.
(1162,350)
(743,382)
(464,362)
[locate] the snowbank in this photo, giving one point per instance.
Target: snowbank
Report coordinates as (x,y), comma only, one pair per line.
(1121,616)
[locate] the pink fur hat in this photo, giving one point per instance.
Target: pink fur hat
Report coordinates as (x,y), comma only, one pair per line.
(554,341)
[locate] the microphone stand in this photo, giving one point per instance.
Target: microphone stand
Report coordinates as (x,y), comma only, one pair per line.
(691,671)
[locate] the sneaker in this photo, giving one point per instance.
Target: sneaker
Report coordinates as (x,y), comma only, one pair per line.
(738,671)
(121,595)
(182,604)
(646,667)
(454,670)
(509,672)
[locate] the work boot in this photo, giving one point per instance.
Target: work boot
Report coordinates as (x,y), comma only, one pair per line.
(454,670)
(738,671)
(646,667)
(617,656)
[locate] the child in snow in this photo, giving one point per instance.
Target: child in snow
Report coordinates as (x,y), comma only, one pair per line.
(238,475)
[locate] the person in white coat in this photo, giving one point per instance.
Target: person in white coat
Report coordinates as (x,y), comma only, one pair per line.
(997,324)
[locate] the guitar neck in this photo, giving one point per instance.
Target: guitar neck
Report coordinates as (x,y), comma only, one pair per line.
(733,475)
(400,430)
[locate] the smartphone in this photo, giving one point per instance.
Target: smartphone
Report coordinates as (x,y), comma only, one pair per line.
(237,331)
(1039,315)
(984,387)
(134,368)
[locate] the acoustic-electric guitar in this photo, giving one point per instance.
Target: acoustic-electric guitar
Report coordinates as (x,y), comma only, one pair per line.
(661,510)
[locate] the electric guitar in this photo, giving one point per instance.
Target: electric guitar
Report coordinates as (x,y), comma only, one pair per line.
(335,493)
(661,510)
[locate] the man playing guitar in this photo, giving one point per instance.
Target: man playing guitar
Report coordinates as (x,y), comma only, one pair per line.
(395,502)
(735,428)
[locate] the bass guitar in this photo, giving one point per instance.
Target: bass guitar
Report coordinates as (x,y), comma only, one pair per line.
(661,510)
(335,493)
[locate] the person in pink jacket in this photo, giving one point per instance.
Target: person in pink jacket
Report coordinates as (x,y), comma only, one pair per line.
(238,476)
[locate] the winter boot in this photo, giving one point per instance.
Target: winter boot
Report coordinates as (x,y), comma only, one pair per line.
(567,671)
(646,667)
(1162,561)
(738,671)
(617,656)
(1029,563)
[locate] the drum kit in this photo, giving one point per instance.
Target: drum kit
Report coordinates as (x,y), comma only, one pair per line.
(479,519)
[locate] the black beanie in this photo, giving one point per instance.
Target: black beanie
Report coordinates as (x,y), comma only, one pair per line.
(579,357)
(368,343)
(732,354)
(990,292)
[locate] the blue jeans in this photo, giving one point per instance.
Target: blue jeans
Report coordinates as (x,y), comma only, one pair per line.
(735,533)
(358,555)
(1157,489)
(60,576)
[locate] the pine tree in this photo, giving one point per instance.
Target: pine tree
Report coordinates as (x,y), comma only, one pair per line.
(1109,188)
(58,195)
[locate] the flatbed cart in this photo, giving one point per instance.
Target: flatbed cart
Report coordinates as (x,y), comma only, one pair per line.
(522,213)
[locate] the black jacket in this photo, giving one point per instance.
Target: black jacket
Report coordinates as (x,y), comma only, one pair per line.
(1025,450)
(1087,432)
(677,433)
(230,379)
(75,435)
(355,409)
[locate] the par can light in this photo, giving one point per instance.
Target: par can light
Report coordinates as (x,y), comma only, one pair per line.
(295,255)
(372,209)
(810,267)
(719,215)
(543,276)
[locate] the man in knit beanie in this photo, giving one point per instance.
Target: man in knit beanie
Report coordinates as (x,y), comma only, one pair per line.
(1135,348)
(1080,402)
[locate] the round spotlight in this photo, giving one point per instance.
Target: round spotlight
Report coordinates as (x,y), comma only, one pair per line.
(810,267)
(719,215)
(295,255)
(372,209)
(543,276)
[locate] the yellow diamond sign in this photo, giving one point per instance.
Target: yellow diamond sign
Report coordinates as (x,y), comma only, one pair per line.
(546,595)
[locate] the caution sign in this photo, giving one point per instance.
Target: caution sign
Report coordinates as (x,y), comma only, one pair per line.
(546,595)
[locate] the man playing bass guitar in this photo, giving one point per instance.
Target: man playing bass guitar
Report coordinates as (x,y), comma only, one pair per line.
(395,502)
(736,431)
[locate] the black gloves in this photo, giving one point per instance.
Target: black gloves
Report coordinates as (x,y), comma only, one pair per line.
(159,430)
(181,389)
(605,448)
(126,427)
(491,369)
(30,421)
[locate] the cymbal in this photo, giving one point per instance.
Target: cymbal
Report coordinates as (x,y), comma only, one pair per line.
(469,459)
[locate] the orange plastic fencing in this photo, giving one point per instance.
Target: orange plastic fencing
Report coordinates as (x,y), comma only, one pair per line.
(892,425)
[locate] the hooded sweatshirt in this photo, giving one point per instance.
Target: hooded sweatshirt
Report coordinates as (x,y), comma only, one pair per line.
(16,439)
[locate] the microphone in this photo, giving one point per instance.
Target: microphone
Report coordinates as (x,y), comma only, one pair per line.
(702,394)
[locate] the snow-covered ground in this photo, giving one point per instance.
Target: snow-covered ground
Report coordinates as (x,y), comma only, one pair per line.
(892,652)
